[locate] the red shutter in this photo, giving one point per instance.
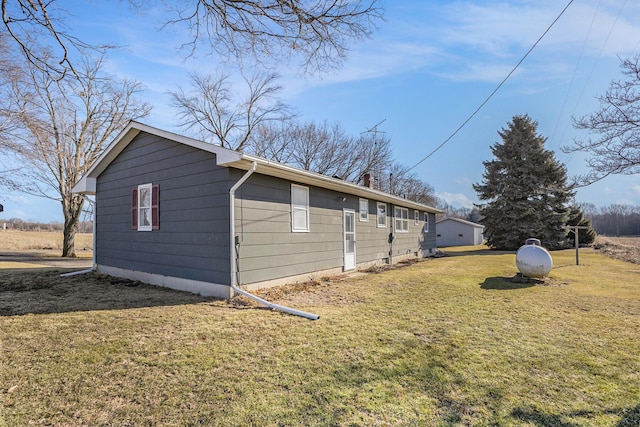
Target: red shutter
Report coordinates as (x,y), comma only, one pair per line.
(155,212)
(134,209)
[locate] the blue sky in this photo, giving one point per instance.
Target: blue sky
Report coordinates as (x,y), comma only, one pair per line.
(425,70)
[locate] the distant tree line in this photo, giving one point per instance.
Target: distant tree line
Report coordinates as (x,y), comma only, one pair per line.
(21,225)
(614,220)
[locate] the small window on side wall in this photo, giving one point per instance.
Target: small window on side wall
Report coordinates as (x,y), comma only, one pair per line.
(382,215)
(426,222)
(364,210)
(416,217)
(299,208)
(145,213)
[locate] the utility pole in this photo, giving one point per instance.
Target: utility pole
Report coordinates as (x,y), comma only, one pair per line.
(575,229)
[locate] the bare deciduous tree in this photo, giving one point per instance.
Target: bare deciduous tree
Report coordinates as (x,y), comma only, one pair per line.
(616,149)
(615,220)
(33,23)
(316,32)
(329,150)
(273,141)
(404,183)
(216,114)
(323,149)
(63,125)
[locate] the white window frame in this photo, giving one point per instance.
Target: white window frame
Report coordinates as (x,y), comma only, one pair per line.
(297,208)
(144,208)
(363,206)
(426,222)
(401,216)
(381,216)
(416,217)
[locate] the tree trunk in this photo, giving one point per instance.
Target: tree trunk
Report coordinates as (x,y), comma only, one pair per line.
(72,211)
(69,239)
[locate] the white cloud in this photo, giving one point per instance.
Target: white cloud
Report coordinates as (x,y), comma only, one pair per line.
(457,200)
(496,27)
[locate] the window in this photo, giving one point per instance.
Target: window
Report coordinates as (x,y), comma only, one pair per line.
(364,210)
(416,217)
(426,222)
(382,215)
(145,215)
(299,208)
(402,219)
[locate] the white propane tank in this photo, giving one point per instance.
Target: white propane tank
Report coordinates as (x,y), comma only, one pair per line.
(533,260)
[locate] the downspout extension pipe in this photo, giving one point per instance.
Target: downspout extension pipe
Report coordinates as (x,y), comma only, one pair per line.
(94,265)
(232,255)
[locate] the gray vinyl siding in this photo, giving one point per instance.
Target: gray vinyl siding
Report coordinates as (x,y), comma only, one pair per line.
(192,241)
(415,240)
(429,238)
(268,249)
(372,242)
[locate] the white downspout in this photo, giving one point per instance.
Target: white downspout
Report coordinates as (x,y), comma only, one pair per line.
(232,253)
(94,265)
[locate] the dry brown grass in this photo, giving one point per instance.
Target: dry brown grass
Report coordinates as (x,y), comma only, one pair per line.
(45,242)
(622,248)
(443,342)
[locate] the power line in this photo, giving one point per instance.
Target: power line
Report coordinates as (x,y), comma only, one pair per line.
(575,71)
(595,63)
(495,90)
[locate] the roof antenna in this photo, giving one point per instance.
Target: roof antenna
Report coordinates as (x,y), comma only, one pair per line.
(374,130)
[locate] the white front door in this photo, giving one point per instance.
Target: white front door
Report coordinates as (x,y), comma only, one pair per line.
(349,239)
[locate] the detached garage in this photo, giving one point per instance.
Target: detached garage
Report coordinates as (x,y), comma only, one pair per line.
(458,232)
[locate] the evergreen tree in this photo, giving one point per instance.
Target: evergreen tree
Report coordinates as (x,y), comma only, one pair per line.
(525,190)
(585,236)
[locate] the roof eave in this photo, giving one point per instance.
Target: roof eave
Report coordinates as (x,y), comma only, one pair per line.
(86,185)
(231,158)
(290,173)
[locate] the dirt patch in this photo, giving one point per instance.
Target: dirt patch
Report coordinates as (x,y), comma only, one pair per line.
(544,281)
(317,292)
(43,290)
(323,291)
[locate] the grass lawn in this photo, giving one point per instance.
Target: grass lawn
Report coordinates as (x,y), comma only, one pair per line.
(443,342)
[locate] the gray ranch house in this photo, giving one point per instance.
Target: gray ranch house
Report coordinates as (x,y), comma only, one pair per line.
(189,215)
